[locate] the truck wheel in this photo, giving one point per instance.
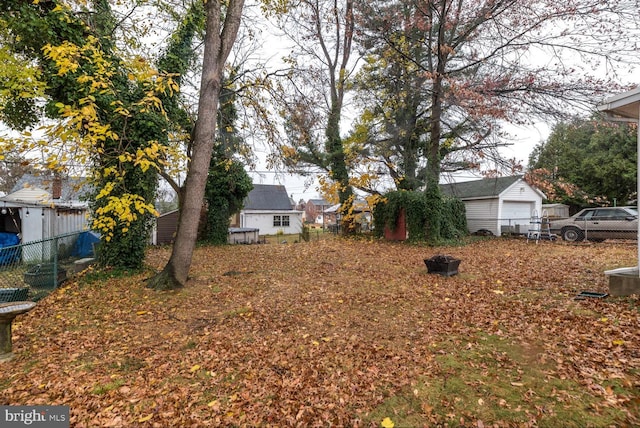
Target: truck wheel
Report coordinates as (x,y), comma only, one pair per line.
(572,234)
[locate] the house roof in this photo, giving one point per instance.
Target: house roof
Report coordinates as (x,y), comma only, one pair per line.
(485,188)
(359,206)
(268,197)
(318,202)
(73,188)
(625,105)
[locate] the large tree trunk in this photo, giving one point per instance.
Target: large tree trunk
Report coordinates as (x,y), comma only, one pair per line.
(437,95)
(217,45)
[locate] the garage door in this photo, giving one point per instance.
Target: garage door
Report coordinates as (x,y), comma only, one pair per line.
(516,212)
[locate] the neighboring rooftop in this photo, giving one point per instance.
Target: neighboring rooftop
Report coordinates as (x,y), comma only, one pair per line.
(319,202)
(486,187)
(72,189)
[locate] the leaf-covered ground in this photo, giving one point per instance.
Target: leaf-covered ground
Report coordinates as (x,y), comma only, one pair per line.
(341,333)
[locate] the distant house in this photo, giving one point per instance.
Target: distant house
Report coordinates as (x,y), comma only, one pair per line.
(360,210)
(498,205)
(269,209)
(314,211)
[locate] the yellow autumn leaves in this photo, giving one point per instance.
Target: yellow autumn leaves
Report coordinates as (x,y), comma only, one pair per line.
(84,136)
(387,423)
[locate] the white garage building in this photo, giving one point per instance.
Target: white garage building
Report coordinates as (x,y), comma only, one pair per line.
(498,205)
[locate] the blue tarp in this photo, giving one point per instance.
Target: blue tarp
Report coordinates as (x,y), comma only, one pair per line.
(9,240)
(84,244)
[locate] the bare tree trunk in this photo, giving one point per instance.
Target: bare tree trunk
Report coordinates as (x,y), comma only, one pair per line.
(218,41)
(435,131)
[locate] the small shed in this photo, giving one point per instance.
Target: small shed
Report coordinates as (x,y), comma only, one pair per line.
(166,228)
(268,208)
(34,216)
(498,205)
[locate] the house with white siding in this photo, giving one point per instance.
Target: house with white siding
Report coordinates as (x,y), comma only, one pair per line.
(498,205)
(269,209)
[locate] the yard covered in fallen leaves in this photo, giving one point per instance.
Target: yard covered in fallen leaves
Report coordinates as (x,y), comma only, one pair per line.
(340,333)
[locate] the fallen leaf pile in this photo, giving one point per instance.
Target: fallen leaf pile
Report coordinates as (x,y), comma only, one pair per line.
(324,333)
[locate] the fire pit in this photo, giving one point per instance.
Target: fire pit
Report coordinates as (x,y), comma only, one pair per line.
(442,265)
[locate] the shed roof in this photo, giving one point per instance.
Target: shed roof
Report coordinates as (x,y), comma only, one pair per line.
(487,187)
(268,197)
(28,196)
(73,188)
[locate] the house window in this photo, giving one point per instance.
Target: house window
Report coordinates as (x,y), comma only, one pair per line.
(280,220)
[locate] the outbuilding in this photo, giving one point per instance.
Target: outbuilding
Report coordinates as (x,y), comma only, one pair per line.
(269,209)
(498,205)
(33,215)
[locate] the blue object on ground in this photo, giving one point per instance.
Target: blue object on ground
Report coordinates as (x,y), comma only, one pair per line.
(84,244)
(9,255)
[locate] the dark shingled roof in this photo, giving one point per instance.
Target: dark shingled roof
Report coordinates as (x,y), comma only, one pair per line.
(268,197)
(487,187)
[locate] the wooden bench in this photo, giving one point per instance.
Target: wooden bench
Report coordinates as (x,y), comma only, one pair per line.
(13,294)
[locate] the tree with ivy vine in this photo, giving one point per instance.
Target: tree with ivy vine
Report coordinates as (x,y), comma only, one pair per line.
(228,183)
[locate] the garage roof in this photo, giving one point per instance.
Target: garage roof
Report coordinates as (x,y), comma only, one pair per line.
(487,187)
(268,197)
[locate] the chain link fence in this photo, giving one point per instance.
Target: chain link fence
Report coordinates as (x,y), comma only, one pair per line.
(34,269)
(614,226)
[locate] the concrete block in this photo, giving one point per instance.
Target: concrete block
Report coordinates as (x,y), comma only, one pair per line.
(624,283)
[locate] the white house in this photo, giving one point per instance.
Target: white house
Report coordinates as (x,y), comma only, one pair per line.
(269,209)
(498,205)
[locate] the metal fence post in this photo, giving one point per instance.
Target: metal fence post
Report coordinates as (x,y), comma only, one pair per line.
(55,262)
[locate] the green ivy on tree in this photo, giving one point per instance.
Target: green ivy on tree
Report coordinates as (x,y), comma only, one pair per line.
(227,186)
(430,216)
(228,183)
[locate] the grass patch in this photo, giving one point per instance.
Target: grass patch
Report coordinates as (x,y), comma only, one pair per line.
(314,236)
(99,275)
(103,388)
(491,380)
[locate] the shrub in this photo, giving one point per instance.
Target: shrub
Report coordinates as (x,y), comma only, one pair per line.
(430,216)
